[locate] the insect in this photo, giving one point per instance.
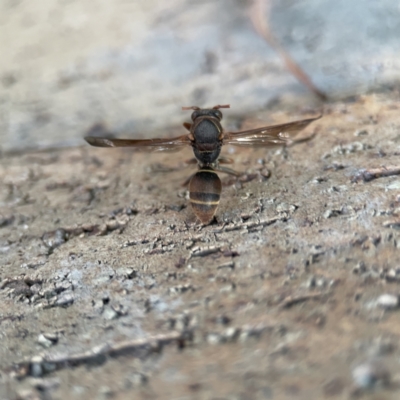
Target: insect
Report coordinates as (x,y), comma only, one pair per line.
(206,137)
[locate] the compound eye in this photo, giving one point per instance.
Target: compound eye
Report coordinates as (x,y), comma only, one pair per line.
(217,114)
(195,114)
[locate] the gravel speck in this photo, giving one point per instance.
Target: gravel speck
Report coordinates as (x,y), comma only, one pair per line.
(109,313)
(214,338)
(231,334)
(388,301)
(36,366)
(370,374)
(43,341)
(55,238)
(65,299)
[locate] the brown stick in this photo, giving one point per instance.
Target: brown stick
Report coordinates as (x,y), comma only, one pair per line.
(40,365)
(394,223)
(259,17)
(367,175)
(292,300)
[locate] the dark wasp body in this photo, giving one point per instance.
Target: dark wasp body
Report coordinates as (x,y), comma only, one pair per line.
(206,132)
(204,193)
(206,138)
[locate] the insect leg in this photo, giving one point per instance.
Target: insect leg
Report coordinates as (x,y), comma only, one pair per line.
(191,161)
(186,182)
(226,170)
(187,125)
(225,160)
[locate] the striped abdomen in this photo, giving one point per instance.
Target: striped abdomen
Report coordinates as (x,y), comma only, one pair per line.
(204,193)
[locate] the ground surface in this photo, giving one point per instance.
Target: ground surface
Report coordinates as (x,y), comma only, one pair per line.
(110,289)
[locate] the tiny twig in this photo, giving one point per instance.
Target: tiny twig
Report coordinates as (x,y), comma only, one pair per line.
(394,223)
(251,225)
(259,17)
(203,252)
(42,364)
(368,175)
(293,300)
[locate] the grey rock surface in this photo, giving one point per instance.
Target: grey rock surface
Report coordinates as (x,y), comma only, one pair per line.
(132,65)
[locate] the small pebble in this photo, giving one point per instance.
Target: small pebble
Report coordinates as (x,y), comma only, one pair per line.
(361,133)
(214,338)
(332,213)
(231,334)
(136,379)
(228,288)
(36,366)
(55,238)
(222,320)
(51,336)
(265,173)
(35,288)
(109,313)
(248,334)
(43,341)
(311,282)
(65,299)
(370,374)
(319,179)
(284,207)
(388,301)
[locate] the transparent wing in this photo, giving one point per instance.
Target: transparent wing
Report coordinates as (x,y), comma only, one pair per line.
(268,136)
(171,144)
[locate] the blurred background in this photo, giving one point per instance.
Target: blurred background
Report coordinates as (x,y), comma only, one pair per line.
(69,64)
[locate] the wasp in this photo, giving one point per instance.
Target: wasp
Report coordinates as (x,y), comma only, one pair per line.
(206,137)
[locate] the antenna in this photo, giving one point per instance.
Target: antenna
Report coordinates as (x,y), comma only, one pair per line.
(223,106)
(191,108)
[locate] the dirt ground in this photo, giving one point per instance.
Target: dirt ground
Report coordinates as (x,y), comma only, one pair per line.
(111,289)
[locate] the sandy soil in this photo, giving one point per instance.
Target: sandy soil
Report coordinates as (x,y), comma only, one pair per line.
(110,289)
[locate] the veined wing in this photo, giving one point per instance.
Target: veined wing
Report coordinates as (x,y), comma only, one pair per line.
(268,136)
(171,144)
